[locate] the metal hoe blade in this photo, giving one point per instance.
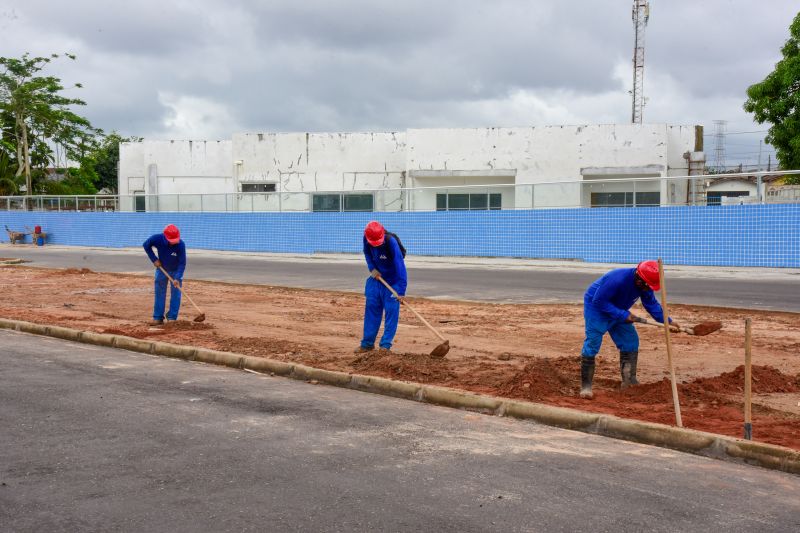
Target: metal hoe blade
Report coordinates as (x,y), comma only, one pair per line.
(441,350)
(706,328)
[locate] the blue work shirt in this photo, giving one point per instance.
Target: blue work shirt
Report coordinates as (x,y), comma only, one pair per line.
(172,257)
(615,293)
(388,259)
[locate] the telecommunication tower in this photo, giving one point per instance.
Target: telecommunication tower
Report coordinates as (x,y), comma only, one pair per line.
(640,16)
(719,146)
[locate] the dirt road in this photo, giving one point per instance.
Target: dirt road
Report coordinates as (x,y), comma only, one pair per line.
(518,351)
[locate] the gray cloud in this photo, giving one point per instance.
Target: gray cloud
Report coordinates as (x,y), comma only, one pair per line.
(182,68)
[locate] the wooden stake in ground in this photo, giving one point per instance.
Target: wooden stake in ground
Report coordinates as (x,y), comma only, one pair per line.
(748,379)
(675,401)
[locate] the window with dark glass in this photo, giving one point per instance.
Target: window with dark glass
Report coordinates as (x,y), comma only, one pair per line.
(472,202)
(258,187)
(342,202)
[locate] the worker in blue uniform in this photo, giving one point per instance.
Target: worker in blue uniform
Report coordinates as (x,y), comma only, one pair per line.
(606,307)
(384,255)
(172,258)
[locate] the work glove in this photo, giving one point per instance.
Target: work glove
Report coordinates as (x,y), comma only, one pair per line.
(176,283)
(375,273)
(157,263)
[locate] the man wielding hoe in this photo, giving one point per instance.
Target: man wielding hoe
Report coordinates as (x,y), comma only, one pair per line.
(172,258)
(384,260)
(606,307)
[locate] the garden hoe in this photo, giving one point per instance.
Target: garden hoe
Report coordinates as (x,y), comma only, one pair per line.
(702,329)
(441,350)
(199,318)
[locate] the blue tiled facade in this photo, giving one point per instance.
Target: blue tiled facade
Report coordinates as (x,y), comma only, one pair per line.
(739,235)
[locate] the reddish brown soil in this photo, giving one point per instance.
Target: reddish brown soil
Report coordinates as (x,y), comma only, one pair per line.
(517,351)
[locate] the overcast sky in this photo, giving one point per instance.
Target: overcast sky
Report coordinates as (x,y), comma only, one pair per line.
(204,69)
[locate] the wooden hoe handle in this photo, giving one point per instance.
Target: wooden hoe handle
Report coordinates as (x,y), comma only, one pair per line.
(180,288)
(412,309)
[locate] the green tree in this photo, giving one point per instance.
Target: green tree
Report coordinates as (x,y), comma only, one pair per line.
(42,115)
(8,178)
(776,100)
(103,160)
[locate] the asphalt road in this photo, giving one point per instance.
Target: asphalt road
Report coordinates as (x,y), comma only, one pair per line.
(747,288)
(96,439)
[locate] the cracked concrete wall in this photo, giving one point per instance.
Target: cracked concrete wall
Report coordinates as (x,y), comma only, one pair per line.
(538,155)
(321,161)
(303,163)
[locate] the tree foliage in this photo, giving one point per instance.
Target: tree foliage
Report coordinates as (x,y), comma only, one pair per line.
(41,116)
(776,100)
(103,160)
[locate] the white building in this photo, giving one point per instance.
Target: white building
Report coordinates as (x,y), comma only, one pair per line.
(552,166)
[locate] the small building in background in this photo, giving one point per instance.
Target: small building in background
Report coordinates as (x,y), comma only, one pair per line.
(418,169)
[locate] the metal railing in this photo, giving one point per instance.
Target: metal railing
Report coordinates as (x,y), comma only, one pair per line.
(634,192)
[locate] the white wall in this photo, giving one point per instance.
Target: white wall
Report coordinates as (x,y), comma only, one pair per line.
(300,164)
(553,153)
(170,168)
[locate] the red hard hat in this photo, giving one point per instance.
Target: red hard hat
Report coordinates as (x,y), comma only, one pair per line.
(648,271)
(173,234)
(375,233)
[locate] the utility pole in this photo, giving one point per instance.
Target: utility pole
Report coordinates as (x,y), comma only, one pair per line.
(640,16)
(759,155)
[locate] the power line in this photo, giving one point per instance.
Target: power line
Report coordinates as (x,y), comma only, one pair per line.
(735,132)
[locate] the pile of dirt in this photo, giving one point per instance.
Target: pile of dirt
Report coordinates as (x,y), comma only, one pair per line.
(262,347)
(766,379)
(72,271)
(420,368)
(143,331)
(544,378)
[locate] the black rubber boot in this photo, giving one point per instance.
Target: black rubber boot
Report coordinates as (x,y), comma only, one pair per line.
(627,368)
(587,376)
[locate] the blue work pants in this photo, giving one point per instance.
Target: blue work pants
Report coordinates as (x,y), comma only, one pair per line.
(161,297)
(379,301)
(597,324)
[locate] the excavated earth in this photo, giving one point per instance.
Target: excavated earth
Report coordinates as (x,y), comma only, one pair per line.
(516,351)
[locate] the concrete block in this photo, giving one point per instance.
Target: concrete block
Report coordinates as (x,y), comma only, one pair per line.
(268,366)
(214,357)
(682,439)
(5,323)
(63,333)
(766,455)
(329,377)
(99,339)
(29,327)
(388,387)
(174,350)
(134,345)
(460,400)
(549,415)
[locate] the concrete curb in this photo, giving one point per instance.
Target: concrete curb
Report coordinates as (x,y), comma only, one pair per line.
(684,440)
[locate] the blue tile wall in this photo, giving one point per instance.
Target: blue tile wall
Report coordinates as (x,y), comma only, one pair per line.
(739,235)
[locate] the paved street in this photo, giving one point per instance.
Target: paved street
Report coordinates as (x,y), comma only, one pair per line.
(96,439)
(493,280)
